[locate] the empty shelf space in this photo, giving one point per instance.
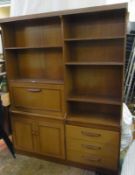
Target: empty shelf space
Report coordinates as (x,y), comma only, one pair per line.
(95,119)
(93,63)
(94,38)
(37,81)
(94,99)
(33,47)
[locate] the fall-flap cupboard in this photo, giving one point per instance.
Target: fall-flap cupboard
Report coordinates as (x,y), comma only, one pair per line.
(65,76)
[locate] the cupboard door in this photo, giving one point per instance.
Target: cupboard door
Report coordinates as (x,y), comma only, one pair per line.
(23,133)
(51,138)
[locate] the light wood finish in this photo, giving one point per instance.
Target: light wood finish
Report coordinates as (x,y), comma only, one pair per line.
(34,134)
(99,149)
(100,120)
(65,70)
(34,96)
(23,133)
(91,159)
(51,138)
(92,134)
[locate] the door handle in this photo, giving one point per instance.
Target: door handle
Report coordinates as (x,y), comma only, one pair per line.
(34,90)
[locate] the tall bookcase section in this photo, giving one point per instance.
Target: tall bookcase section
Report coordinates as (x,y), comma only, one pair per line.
(94,63)
(65,75)
(94,60)
(34,59)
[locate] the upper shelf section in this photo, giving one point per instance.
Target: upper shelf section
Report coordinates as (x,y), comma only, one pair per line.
(41,33)
(107,25)
(50,30)
(104,8)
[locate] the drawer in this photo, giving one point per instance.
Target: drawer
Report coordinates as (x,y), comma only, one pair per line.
(93,160)
(100,149)
(94,135)
(47,97)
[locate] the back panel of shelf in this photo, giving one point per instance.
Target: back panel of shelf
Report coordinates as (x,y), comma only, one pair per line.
(35,64)
(33,33)
(101,24)
(95,51)
(104,82)
(94,57)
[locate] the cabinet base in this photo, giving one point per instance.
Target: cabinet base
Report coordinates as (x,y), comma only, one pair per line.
(99,171)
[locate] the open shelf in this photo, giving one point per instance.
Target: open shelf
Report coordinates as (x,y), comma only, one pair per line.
(35,64)
(94,99)
(94,38)
(71,63)
(96,119)
(46,81)
(104,115)
(95,51)
(95,84)
(33,33)
(102,24)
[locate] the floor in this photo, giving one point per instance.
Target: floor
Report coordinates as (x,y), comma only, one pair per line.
(24,165)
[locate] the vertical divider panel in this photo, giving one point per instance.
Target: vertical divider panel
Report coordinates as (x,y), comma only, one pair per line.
(63,60)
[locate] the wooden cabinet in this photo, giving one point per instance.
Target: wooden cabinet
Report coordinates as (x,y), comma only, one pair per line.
(23,133)
(93,146)
(51,138)
(42,136)
(38,97)
(65,75)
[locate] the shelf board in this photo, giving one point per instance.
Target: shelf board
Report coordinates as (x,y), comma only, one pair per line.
(93,64)
(2,73)
(36,113)
(37,81)
(34,47)
(103,120)
(94,38)
(94,99)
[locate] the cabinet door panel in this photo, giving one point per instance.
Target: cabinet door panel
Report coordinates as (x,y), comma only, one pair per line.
(22,134)
(51,139)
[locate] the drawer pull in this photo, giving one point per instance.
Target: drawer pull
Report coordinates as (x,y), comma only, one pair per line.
(90,134)
(91,147)
(34,90)
(95,159)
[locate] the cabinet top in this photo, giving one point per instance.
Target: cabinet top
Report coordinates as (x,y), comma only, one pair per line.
(103,8)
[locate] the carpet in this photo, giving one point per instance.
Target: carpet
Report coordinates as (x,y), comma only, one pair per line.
(24,165)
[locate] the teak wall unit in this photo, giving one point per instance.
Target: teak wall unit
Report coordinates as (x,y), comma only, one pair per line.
(65,75)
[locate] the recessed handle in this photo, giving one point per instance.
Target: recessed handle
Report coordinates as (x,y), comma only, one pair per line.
(34,90)
(89,134)
(95,159)
(91,147)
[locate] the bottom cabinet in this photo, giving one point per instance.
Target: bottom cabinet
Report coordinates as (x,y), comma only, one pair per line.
(51,138)
(42,136)
(23,133)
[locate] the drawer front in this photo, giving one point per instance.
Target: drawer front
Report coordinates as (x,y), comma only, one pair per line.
(100,149)
(48,98)
(93,160)
(94,135)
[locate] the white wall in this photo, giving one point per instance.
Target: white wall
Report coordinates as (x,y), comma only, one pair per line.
(23,7)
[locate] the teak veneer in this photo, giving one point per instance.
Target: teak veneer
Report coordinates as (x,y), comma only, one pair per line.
(65,75)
